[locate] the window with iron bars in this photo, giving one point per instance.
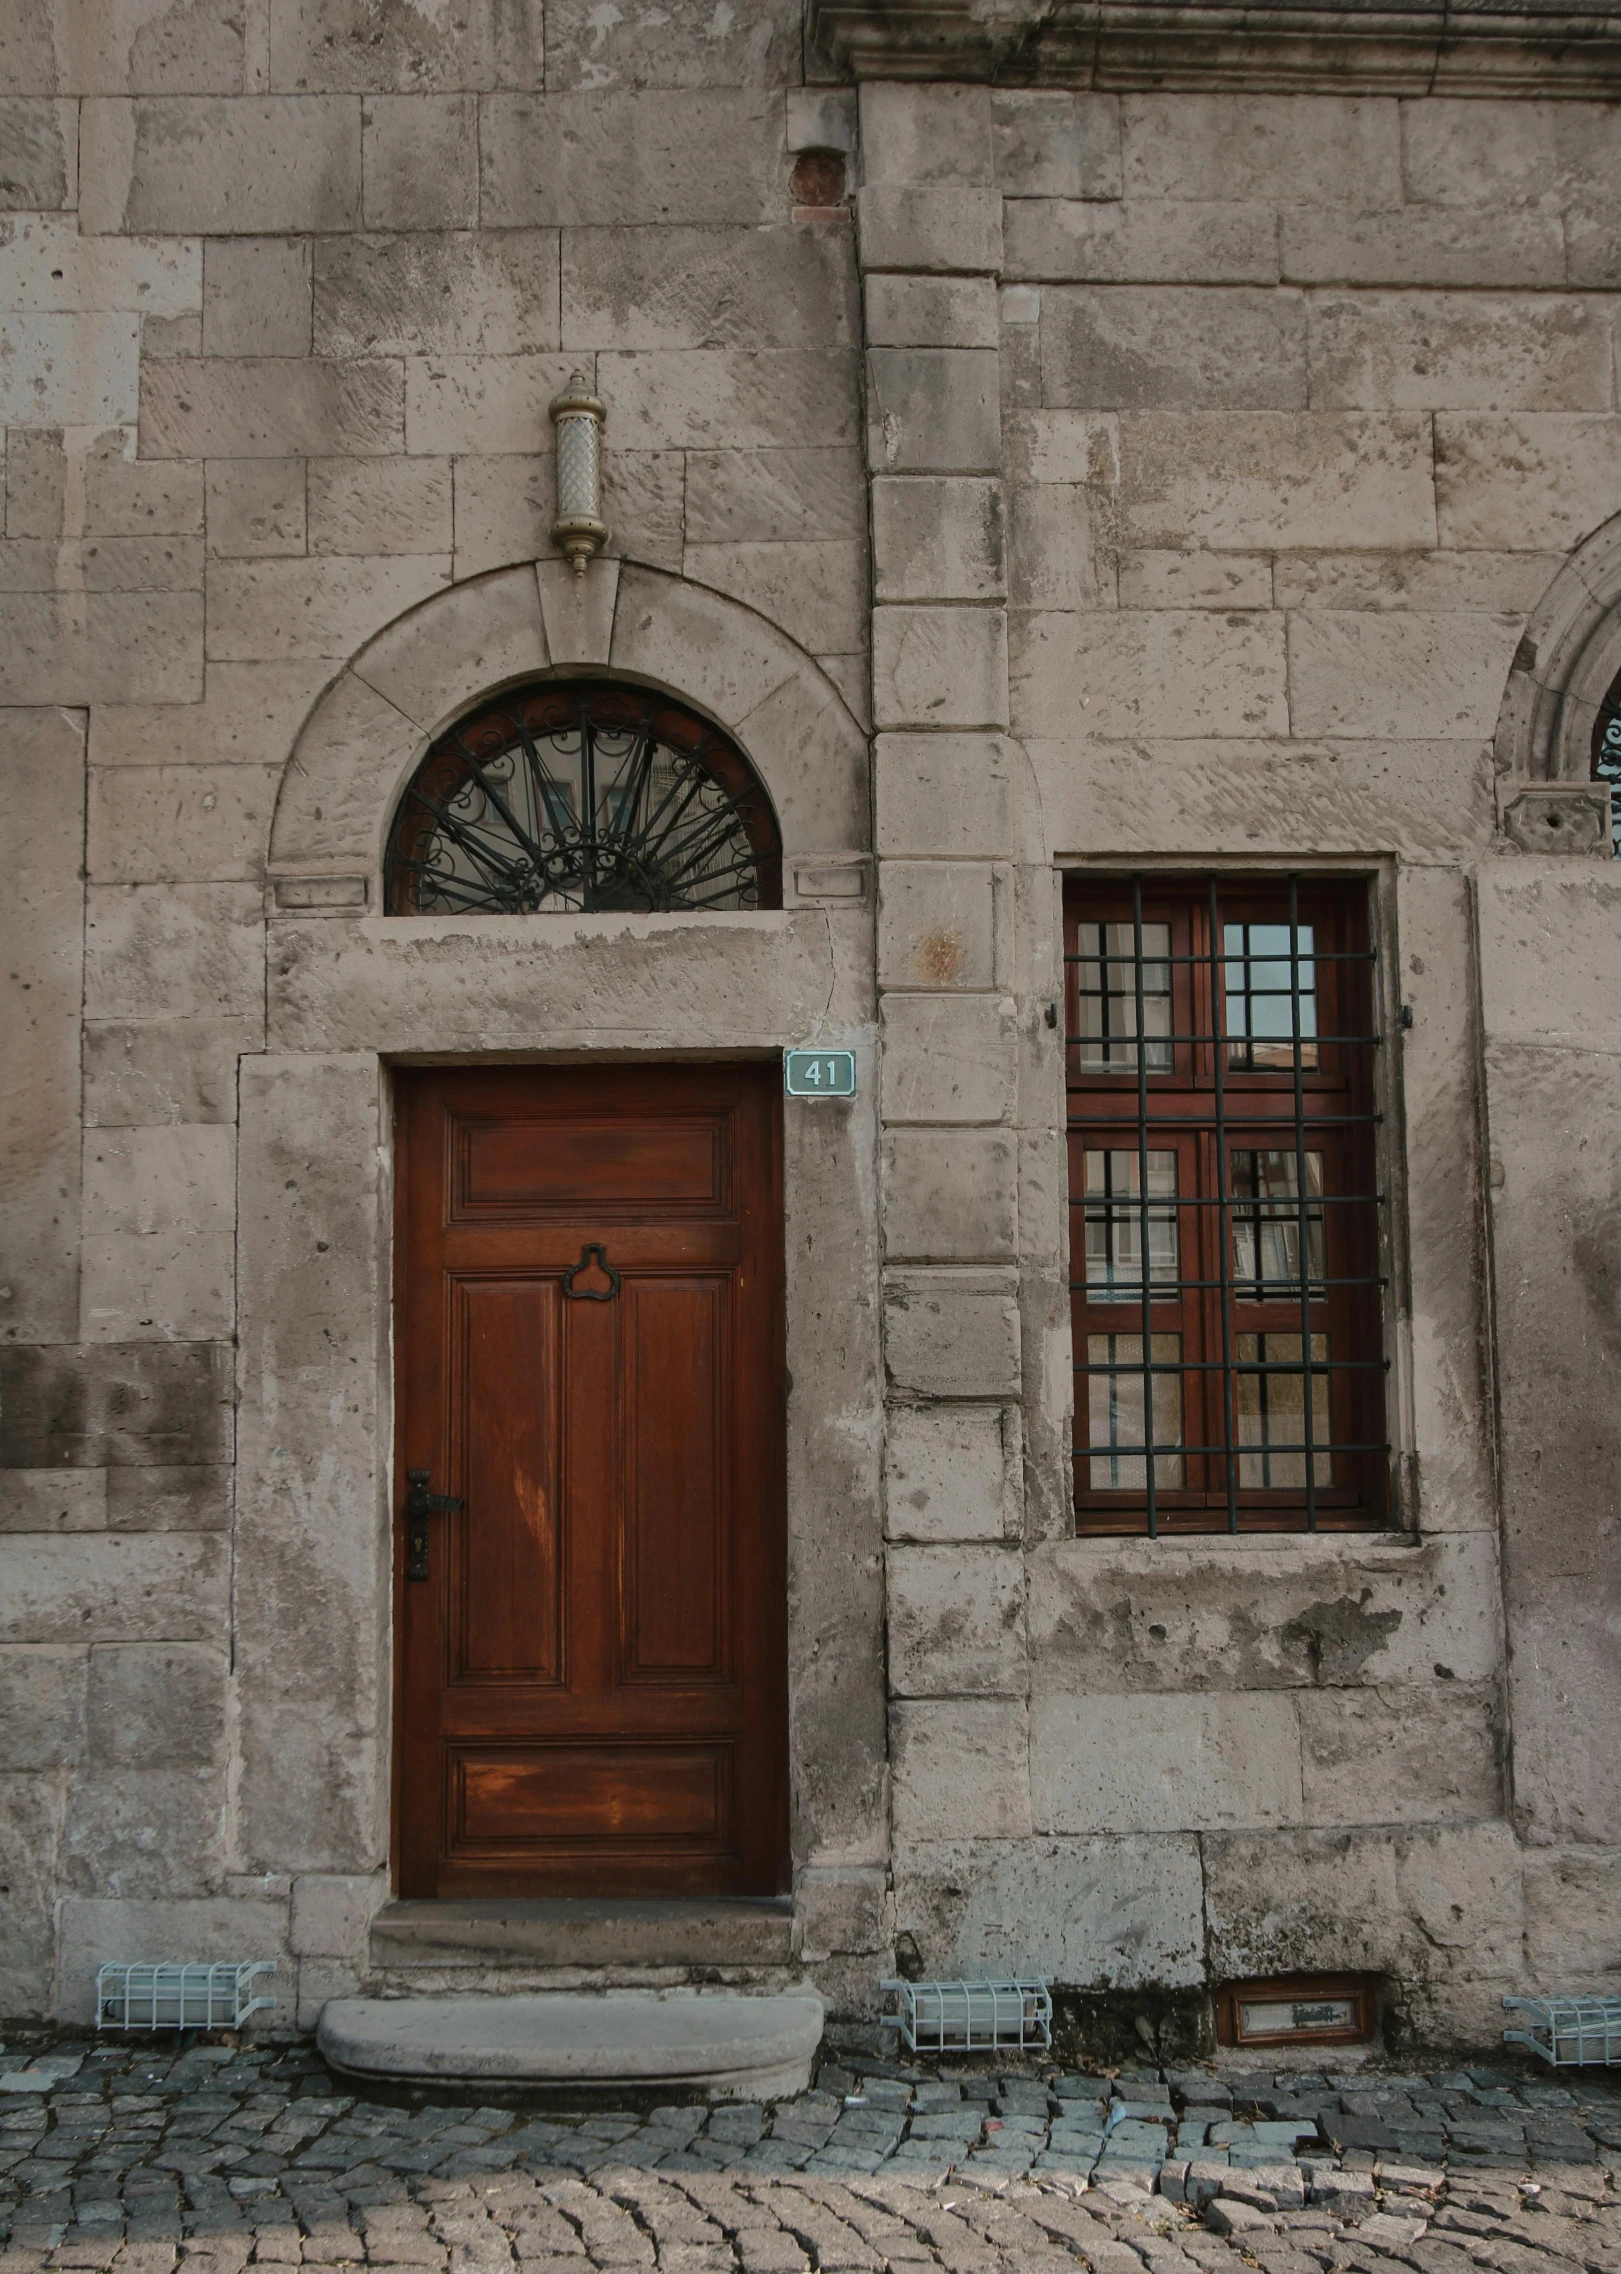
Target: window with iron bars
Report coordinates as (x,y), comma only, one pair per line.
(1225,1281)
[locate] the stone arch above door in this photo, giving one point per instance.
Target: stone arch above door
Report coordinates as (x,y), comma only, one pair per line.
(360,743)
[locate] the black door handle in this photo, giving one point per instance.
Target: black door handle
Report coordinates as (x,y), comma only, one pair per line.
(420,1504)
(592,1294)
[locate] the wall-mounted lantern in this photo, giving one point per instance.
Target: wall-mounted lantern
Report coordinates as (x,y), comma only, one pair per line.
(579,530)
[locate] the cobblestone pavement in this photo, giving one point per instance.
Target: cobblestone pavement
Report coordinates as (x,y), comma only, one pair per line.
(135,2158)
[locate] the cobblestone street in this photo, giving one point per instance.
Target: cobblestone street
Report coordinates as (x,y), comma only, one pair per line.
(133,2157)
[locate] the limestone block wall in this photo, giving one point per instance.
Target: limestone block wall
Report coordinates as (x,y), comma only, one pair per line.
(1153,478)
(287,293)
(1302,403)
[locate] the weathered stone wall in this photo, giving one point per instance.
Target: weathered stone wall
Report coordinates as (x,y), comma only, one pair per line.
(1160,478)
(288,292)
(1303,402)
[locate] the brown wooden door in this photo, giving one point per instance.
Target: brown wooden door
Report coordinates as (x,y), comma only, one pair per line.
(592,1673)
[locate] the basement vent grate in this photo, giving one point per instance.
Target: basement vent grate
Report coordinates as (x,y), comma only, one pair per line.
(973,2017)
(1570,2033)
(180,1997)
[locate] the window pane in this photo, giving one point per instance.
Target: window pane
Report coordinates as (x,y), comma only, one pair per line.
(1268,990)
(1114,1225)
(1107,977)
(1266,1224)
(1272,1412)
(1116,1405)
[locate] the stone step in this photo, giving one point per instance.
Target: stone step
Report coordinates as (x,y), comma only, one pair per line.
(566,1930)
(729,2045)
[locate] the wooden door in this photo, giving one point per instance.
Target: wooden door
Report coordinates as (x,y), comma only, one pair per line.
(592,1694)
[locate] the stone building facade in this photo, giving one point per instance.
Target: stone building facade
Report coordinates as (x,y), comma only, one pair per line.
(1170,441)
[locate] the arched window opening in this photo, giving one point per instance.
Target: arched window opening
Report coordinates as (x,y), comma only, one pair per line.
(582,795)
(1607,756)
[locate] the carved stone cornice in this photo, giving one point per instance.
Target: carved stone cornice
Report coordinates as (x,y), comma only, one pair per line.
(1427,47)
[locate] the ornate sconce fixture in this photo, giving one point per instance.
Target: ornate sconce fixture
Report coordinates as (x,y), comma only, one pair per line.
(579,530)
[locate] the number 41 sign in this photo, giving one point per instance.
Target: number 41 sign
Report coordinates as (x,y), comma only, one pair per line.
(819,1073)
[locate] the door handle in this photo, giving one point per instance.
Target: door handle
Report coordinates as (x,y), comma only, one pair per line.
(592,1294)
(420,1504)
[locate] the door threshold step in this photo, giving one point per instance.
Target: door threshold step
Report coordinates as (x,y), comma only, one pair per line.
(731,2046)
(578,1930)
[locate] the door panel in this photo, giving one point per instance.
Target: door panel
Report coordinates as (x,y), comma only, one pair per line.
(677,1580)
(592,1687)
(590,1795)
(597,1163)
(507,1566)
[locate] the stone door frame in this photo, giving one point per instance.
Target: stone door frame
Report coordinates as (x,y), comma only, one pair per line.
(350,993)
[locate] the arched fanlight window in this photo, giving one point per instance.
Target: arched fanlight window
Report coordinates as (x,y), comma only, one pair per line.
(1607,756)
(582,794)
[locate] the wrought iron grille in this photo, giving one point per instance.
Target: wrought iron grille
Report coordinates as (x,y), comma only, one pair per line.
(1607,756)
(1569,2032)
(583,794)
(1226,1283)
(974,2017)
(179,1996)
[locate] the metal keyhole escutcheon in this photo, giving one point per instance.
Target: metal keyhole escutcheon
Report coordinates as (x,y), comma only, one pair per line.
(592,1294)
(420,1504)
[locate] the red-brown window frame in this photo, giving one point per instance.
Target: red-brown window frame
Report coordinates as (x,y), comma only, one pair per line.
(1204,1108)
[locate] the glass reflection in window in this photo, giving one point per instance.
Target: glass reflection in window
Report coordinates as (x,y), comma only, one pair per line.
(1271,989)
(1117,1409)
(1114,1224)
(1266,1216)
(1107,977)
(1271,1384)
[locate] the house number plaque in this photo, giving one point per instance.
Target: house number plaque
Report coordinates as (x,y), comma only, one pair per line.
(819,1073)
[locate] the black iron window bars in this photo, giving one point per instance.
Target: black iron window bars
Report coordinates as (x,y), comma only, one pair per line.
(582,794)
(1226,1290)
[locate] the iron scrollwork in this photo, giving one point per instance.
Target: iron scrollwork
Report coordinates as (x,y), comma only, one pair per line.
(583,795)
(1606,758)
